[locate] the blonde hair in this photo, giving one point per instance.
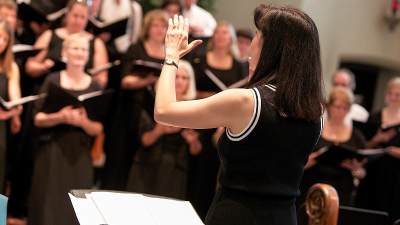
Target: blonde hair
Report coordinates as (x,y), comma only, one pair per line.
(8,4)
(341,93)
(156,14)
(73,37)
(71,4)
(191,90)
(393,82)
(233,50)
(7,56)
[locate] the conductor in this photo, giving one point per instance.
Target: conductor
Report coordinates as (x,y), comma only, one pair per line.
(270,127)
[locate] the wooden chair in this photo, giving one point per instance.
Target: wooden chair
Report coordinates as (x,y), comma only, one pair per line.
(322,205)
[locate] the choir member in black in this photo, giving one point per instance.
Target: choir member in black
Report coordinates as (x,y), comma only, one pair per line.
(63,160)
(47,7)
(172,7)
(9,90)
(244,37)
(220,59)
(16,159)
(51,41)
(336,131)
(123,140)
(379,190)
(270,128)
(161,164)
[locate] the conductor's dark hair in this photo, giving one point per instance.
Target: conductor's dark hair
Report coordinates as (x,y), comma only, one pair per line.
(290,59)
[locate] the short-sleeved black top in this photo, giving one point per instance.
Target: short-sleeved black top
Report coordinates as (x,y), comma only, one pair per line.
(268,157)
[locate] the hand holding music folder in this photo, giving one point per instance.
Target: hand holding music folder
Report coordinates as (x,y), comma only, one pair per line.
(8,105)
(27,12)
(95,103)
(24,51)
(335,154)
(395,127)
(115,28)
(143,67)
(94,71)
(123,208)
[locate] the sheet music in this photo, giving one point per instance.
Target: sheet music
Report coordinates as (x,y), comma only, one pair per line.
(122,209)
(10,104)
(172,212)
(377,151)
(86,211)
(129,208)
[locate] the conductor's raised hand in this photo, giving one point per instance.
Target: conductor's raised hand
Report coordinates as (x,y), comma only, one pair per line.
(176,39)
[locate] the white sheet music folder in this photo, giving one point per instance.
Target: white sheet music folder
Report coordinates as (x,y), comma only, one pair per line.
(115,208)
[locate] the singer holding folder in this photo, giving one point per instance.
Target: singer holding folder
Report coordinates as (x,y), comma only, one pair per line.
(336,132)
(63,159)
(270,127)
(380,188)
(9,89)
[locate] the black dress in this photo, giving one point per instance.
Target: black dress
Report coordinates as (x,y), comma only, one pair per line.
(3,134)
(123,139)
(160,169)
(261,168)
(62,163)
(380,189)
(26,144)
(204,167)
(340,178)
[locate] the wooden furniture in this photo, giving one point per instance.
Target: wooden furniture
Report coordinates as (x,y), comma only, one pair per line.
(322,205)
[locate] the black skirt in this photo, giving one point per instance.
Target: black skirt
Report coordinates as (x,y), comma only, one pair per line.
(231,207)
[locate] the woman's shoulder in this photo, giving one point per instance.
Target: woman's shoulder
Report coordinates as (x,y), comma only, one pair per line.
(94,85)
(53,78)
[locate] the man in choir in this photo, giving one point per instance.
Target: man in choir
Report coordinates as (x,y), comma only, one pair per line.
(202,23)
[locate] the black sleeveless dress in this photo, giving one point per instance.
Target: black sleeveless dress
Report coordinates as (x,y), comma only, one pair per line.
(62,163)
(380,189)
(261,168)
(340,178)
(122,141)
(203,168)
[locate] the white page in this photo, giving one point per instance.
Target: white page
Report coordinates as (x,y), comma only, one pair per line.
(172,212)
(122,209)
(86,211)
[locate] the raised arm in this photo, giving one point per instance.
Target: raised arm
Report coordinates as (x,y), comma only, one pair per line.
(231,108)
